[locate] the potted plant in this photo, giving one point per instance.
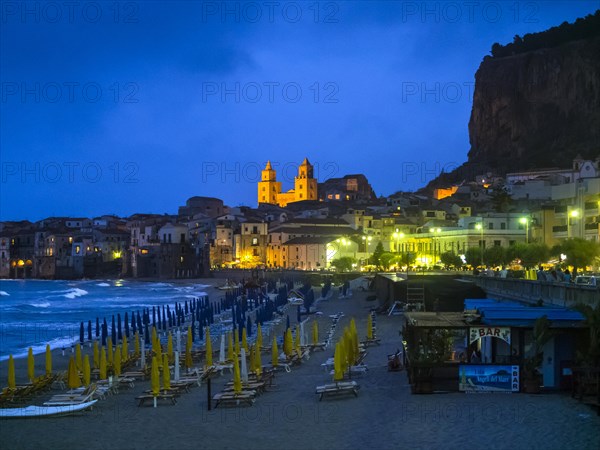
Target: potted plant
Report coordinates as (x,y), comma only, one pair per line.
(532,378)
(422,360)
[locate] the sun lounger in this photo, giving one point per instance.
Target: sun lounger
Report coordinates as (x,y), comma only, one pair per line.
(143,398)
(73,398)
(136,375)
(370,342)
(233,399)
(256,386)
(340,388)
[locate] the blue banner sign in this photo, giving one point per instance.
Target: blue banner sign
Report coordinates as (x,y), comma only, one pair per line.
(488,378)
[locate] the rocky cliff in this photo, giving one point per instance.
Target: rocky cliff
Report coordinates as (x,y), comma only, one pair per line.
(537,109)
(536,103)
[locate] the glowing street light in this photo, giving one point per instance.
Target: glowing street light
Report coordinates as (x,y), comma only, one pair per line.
(398,235)
(573,215)
(525,221)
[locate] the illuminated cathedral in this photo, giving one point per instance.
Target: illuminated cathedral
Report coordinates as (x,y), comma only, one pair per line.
(305,186)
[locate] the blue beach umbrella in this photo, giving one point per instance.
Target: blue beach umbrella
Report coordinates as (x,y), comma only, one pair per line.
(104,333)
(119,328)
(287,322)
(81,333)
(153,316)
(133,324)
(139,321)
(89,330)
(113,331)
(146,334)
(126,322)
(249,327)
(97,327)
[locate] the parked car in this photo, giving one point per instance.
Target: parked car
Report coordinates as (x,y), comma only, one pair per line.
(586,280)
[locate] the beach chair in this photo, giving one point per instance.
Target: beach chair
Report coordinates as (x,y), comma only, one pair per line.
(234,399)
(172,398)
(336,389)
(74,398)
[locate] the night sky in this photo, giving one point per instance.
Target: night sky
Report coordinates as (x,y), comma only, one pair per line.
(136,107)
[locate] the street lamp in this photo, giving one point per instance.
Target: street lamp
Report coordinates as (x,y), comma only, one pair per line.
(525,221)
(398,235)
(479,226)
(367,241)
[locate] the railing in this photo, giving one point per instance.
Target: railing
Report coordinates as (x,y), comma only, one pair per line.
(532,291)
(558,228)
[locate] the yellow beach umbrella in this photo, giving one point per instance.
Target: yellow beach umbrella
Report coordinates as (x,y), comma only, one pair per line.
(274,352)
(166,373)
(124,349)
(209,360)
(154,338)
(117,362)
(109,351)
(73,381)
(30,365)
(48,360)
(288,343)
(245,339)
(230,353)
(96,355)
(188,350)
(12,384)
(136,343)
(170,347)
(259,338)
(237,379)
(315,333)
(87,372)
(78,358)
(155,379)
(103,363)
(257,361)
(369,327)
(338,372)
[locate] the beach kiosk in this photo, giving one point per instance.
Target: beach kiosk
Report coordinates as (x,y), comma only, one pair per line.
(490,347)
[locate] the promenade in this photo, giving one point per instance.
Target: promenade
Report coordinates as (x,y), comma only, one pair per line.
(289,415)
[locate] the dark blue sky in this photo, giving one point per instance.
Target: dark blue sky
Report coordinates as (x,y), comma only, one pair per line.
(135,108)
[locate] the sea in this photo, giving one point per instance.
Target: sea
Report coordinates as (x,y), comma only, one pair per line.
(34,313)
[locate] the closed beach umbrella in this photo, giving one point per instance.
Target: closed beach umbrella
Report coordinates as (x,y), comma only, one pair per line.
(124,349)
(73,381)
(97,327)
(369,327)
(155,379)
(251,359)
(119,329)
(274,352)
(109,351)
(315,333)
(288,343)
(96,355)
(170,347)
(30,365)
(257,361)
(81,333)
(249,326)
(245,340)
(222,349)
(244,366)
(89,330)
(133,323)
(166,372)
(103,363)
(12,384)
(230,352)
(117,363)
(154,338)
(48,360)
(113,330)
(237,379)
(259,338)
(78,358)
(188,351)
(126,324)
(338,373)
(104,333)
(136,343)
(86,371)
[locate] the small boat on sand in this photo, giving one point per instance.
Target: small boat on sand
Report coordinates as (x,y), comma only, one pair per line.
(44,411)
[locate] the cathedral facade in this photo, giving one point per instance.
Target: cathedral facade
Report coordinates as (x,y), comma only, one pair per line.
(305,186)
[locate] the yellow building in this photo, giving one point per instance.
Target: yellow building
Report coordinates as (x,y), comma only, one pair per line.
(305,186)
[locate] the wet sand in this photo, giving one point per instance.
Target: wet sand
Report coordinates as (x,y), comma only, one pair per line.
(384,415)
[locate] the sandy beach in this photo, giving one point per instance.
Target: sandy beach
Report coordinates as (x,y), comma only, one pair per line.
(384,415)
